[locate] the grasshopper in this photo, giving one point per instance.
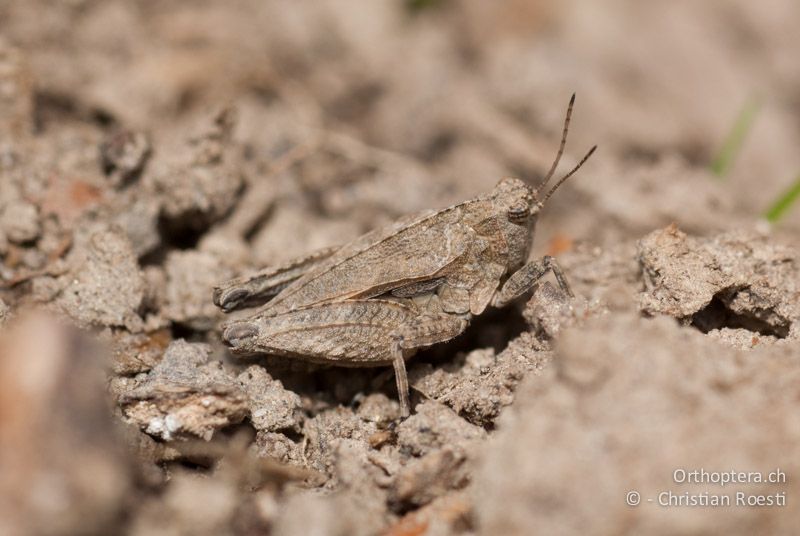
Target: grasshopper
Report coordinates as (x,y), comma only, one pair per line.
(417,282)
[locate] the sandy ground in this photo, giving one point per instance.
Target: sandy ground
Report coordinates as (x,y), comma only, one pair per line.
(151,150)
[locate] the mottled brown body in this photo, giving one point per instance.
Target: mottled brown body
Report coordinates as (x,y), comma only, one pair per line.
(414,283)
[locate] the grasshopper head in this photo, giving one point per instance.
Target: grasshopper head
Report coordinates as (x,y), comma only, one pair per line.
(516,200)
(514,211)
(517,204)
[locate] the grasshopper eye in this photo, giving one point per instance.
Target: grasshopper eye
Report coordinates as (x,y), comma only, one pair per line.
(518,213)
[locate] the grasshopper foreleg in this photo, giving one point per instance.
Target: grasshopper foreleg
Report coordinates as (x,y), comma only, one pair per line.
(262,286)
(526,277)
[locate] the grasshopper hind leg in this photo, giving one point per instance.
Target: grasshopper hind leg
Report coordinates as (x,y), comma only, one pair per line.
(353,333)
(424,330)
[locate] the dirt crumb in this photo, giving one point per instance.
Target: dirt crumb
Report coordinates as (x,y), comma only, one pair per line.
(190,279)
(423,479)
(105,286)
(328,428)
(138,217)
(735,279)
(272,408)
(124,154)
(202,185)
(278,447)
(434,425)
(185,395)
(484,383)
(379,409)
(19,222)
(607,275)
(133,353)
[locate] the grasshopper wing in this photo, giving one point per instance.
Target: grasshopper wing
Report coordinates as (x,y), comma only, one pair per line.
(414,249)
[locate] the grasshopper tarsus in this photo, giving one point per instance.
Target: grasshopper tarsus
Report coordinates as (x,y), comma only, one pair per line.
(417,282)
(554,267)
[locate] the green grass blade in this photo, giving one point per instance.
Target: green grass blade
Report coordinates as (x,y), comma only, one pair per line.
(415,6)
(733,143)
(783,203)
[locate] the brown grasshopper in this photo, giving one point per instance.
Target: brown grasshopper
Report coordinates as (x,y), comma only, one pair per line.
(415,283)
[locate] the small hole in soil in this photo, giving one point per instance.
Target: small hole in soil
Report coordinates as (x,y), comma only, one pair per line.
(717,316)
(53,107)
(180,331)
(184,234)
(292,434)
(197,464)
(494,328)
(102,117)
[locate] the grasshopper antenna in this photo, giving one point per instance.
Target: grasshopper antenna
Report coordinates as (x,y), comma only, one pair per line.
(568,175)
(561,147)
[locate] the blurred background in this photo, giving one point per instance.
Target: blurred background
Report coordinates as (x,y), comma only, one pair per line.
(694,105)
